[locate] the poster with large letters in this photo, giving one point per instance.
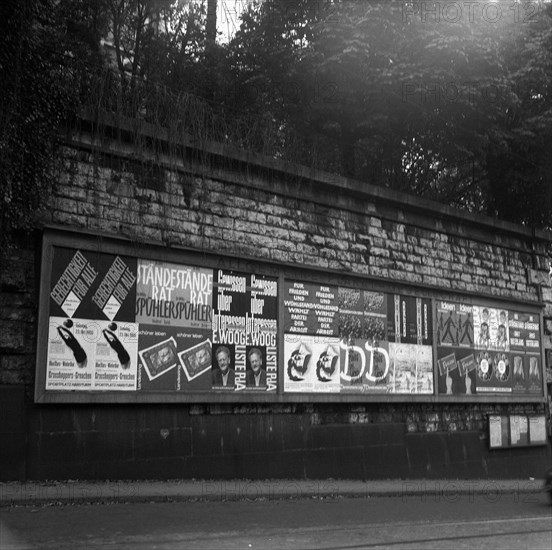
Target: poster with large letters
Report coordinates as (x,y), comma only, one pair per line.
(245,327)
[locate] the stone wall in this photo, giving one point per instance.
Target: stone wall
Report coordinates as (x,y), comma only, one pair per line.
(229,203)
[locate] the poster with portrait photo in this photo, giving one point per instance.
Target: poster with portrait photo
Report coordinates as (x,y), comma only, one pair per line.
(485,326)
(223,369)
(256,376)
(255,373)
(500,336)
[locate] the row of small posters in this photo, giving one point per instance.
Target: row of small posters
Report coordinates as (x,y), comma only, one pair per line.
(483,349)
(344,340)
(124,324)
(119,323)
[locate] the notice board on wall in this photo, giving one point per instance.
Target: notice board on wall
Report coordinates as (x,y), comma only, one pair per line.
(516,430)
(121,323)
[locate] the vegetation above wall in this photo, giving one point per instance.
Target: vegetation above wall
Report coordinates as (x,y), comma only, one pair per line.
(449,105)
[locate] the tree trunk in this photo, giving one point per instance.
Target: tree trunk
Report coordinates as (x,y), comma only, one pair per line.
(211,25)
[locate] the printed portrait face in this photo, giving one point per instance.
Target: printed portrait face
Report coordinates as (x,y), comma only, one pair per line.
(256,362)
(223,360)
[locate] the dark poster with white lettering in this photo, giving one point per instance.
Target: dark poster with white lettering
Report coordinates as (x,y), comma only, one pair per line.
(409,320)
(245,322)
(92,285)
(310,308)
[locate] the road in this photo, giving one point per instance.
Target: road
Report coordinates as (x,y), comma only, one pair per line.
(458,521)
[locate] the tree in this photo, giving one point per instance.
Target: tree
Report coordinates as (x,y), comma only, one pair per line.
(399,98)
(39,86)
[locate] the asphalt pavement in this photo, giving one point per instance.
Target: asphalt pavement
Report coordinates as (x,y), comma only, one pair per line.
(73,492)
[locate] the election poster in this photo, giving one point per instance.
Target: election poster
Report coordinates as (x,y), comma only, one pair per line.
(245,326)
(310,309)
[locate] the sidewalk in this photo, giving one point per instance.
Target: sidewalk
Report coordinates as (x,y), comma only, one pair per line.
(72,492)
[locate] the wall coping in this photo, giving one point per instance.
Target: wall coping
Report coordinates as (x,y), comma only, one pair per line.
(126,127)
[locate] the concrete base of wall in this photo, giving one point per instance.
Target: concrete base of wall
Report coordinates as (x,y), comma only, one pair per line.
(98,442)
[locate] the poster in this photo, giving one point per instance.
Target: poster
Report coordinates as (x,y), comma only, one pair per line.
(456,371)
(365,366)
(310,308)
(454,325)
(311,364)
(409,320)
(92,336)
(491,328)
(411,368)
(524,337)
(537,430)
(174,313)
(245,326)
(498,431)
(519,430)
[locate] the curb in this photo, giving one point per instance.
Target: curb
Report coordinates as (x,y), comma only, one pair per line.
(78,492)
